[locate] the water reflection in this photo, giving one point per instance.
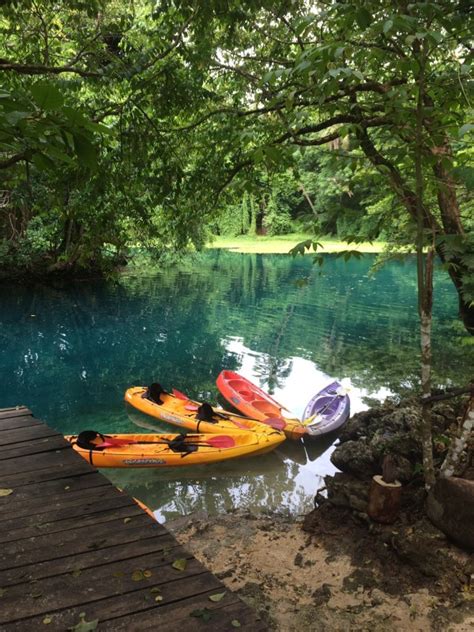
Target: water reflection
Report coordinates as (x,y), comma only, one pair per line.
(70,352)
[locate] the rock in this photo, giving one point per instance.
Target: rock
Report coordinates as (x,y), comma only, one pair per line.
(355,457)
(391,429)
(322,594)
(298,561)
(345,491)
(450,507)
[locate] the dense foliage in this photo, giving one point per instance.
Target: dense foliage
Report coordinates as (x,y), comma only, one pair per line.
(152,124)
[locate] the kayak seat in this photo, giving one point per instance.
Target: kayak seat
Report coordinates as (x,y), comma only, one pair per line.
(154,392)
(267,408)
(206,413)
(85,440)
(177,444)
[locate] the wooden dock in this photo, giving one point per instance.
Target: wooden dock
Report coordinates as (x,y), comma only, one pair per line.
(76,550)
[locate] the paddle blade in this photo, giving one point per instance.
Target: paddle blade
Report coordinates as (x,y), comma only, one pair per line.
(239,424)
(314,419)
(220,441)
(191,407)
(275,422)
(111,442)
(180,395)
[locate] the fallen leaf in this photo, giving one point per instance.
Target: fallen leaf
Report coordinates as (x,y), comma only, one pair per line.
(118,574)
(155,589)
(137,576)
(236,623)
(2,592)
(147,573)
(203,614)
(217,596)
(159,598)
(83,625)
(47,620)
(76,572)
(126,520)
(6,492)
(179,564)
(67,487)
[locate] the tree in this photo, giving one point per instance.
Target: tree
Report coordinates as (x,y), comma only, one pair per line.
(346,74)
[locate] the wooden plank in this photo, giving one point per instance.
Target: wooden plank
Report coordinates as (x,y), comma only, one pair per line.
(20,435)
(16,411)
(142,543)
(64,470)
(178,616)
(65,518)
(93,584)
(54,545)
(110,608)
(37,509)
(35,446)
(19,421)
(72,543)
(36,462)
(42,491)
(126,508)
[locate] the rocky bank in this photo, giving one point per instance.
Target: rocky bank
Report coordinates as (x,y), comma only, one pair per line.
(337,570)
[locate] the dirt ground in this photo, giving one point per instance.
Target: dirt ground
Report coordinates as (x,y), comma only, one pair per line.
(333,571)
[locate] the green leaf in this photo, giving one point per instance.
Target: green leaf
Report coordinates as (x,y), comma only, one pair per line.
(465,129)
(300,248)
(43,162)
(5,492)
(46,95)
(83,625)
(303,65)
(14,117)
(180,564)
(202,613)
(363,18)
(387,27)
(235,623)
(85,150)
(137,576)
(54,152)
(217,597)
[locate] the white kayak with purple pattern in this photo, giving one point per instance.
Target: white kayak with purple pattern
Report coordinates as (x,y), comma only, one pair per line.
(328,410)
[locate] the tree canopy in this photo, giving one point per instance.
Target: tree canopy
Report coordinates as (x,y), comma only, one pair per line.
(125,124)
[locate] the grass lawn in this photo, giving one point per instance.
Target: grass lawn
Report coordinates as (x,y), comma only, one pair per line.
(283,244)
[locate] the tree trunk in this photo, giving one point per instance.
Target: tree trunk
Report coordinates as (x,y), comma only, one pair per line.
(458,444)
(384,500)
(424,277)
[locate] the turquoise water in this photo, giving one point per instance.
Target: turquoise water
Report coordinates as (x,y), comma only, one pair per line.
(70,352)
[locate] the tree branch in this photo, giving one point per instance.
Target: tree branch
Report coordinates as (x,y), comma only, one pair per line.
(41,69)
(13,159)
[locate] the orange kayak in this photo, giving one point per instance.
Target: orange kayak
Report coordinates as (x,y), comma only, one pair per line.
(250,400)
(176,409)
(168,450)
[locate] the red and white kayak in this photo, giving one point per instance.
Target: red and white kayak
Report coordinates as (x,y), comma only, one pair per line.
(253,402)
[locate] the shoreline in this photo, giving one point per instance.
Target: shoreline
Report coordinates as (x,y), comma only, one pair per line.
(332,571)
(282,244)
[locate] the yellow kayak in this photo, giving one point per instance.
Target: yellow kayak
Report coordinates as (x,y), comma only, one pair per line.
(176,409)
(168,450)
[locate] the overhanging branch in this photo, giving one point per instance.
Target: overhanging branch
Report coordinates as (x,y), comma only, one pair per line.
(42,69)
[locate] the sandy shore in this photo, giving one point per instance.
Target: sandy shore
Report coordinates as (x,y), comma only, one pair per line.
(332,577)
